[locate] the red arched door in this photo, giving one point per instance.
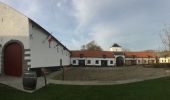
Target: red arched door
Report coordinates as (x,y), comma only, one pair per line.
(13,59)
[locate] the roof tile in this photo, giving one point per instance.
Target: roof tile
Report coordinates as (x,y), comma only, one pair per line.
(93,54)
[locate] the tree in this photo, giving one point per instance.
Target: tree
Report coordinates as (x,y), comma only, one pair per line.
(91,46)
(165,37)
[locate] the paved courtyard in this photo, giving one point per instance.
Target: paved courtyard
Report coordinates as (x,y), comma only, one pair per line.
(111,73)
(92,76)
(16,82)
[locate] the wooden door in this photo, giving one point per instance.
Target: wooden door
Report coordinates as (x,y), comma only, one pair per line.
(81,63)
(13,59)
(104,63)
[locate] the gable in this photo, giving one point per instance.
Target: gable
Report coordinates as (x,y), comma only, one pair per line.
(12,22)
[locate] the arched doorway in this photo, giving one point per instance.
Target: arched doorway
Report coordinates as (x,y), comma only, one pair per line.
(119,61)
(13,59)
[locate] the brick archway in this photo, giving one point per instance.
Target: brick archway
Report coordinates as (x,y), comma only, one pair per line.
(13,59)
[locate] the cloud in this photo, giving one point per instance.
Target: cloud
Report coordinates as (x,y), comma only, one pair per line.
(126,22)
(103,34)
(76,22)
(94,20)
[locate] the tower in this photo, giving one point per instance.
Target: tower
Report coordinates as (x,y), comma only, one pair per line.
(116,48)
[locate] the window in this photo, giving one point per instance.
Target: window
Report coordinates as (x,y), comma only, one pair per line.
(88,61)
(74,61)
(104,56)
(144,61)
(138,61)
(97,62)
(111,62)
(57,49)
(81,55)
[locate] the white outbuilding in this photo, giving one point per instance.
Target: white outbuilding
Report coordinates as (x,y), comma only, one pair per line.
(24,44)
(92,58)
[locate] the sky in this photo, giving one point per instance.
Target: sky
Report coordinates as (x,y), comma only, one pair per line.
(134,24)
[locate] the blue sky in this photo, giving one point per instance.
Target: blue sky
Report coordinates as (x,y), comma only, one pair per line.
(134,24)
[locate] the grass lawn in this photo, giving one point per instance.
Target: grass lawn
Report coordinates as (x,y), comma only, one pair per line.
(156,89)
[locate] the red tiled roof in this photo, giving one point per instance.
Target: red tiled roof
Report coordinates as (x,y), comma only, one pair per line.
(93,54)
(139,54)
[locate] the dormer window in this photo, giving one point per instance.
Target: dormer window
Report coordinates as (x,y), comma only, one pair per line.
(133,56)
(104,56)
(81,55)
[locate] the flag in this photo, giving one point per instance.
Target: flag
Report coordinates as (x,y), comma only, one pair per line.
(50,39)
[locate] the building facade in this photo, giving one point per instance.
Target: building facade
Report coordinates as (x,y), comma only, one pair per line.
(116,48)
(134,58)
(92,58)
(24,44)
(164,60)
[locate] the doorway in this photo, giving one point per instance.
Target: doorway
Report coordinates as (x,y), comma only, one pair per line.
(13,59)
(81,62)
(119,61)
(104,63)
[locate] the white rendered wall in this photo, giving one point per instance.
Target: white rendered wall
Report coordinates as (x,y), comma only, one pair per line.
(93,61)
(141,60)
(13,26)
(116,49)
(164,60)
(42,55)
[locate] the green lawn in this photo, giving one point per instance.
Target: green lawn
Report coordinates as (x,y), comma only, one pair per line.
(157,89)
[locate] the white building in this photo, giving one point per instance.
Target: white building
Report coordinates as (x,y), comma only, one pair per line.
(116,48)
(92,58)
(25,44)
(118,53)
(133,58)
(164,60)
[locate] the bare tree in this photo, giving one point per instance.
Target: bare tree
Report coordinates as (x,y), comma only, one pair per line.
(165,37)
(91,46)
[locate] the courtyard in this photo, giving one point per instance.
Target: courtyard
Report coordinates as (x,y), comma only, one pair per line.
(155,89)
(124,73)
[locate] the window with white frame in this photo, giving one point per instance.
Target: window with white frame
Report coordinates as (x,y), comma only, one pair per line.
(81,55)
(88,61)
(111,62)
(138,61)
(97,61)
(74,61)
